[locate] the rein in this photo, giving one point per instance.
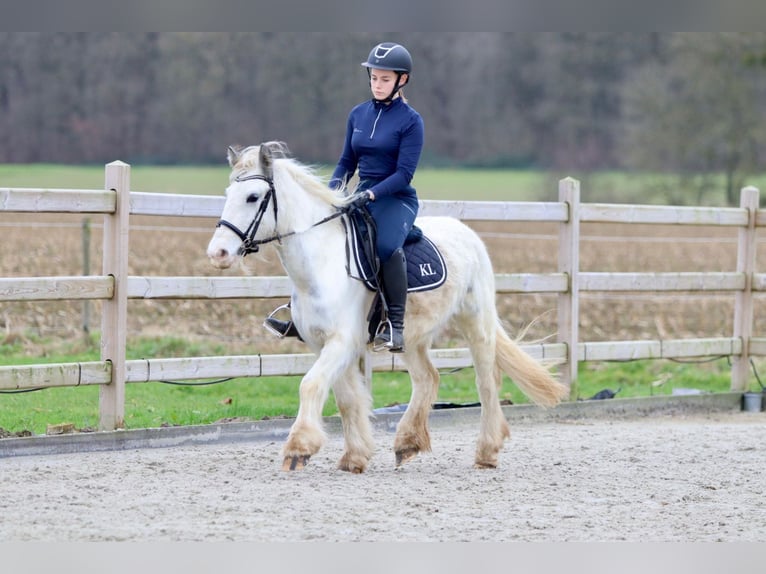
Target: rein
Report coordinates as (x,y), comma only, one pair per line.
(249,243)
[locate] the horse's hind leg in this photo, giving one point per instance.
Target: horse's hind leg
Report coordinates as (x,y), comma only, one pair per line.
(412,434)
(494,428)
(354,404)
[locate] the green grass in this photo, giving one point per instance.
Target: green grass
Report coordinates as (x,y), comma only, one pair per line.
(154,404)
(484,185)
(52,176)
(431,183)
(206,180)
(507,185)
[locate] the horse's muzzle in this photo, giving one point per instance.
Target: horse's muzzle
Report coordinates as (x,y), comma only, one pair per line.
(221,261)
(220,257)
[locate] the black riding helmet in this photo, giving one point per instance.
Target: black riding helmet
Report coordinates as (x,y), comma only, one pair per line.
(393,57)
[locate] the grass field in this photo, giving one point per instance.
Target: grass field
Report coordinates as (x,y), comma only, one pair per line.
(196,402)
(431,183)
(51,244)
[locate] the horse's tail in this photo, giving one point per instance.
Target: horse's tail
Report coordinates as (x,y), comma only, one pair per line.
(534,380)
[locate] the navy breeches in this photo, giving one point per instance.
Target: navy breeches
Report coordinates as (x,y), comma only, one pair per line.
(394,216)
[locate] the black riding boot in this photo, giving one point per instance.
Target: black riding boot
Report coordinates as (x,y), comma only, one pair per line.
(281,328)
(390,334)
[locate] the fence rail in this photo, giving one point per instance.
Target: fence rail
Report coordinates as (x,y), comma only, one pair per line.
(114,288)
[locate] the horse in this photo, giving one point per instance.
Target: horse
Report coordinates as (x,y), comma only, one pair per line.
(273,198)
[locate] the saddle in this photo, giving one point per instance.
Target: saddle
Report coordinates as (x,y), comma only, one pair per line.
(426,268)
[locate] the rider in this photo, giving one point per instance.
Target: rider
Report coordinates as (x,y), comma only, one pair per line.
(384,138)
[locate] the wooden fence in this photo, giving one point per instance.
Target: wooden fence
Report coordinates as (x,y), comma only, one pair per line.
(116,202)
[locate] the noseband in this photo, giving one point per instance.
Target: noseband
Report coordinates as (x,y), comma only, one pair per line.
(249,243)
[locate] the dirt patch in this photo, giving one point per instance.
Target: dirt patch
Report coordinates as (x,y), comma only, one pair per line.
(680,478)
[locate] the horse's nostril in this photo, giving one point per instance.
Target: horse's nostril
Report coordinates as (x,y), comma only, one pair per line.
(218,254)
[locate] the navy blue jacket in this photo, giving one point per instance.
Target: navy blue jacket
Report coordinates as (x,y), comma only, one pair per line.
(384,142)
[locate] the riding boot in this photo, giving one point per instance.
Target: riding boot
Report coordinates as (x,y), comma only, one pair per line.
(390,334)
(281,328)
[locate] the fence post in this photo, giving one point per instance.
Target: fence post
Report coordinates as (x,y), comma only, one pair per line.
(86,272)
(367,370)
(743,300)
(569,263)
(115,310)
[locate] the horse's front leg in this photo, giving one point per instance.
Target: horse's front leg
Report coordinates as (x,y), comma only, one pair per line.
(306,435)
(354,404)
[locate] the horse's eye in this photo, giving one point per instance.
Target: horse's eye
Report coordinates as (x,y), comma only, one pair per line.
(252,198)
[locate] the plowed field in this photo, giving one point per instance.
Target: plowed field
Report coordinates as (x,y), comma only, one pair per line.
(48,245)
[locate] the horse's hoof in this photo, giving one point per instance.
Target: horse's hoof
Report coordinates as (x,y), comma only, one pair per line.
(405,455)
(350,468)
(346,465)
(295,462)
(484,465)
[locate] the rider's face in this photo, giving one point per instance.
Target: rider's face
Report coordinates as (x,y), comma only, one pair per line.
(382,83)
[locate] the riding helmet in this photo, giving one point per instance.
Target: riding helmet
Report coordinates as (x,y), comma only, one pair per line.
(389,56)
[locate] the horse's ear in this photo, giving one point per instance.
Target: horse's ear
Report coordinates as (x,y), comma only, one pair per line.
(233,154)
(270,151)
(280,149)
(266,159)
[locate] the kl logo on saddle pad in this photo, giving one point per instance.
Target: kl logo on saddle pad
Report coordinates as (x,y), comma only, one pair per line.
(426,271)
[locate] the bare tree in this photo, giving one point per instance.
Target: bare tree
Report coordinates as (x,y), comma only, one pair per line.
(561,101)
(699,114)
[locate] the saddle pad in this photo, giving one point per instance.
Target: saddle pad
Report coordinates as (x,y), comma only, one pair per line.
(426,269)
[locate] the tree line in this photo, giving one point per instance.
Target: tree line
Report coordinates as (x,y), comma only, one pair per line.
(688,103)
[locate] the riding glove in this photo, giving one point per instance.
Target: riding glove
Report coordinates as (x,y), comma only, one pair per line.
(360,199)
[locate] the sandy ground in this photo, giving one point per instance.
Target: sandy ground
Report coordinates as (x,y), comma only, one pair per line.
(680,478)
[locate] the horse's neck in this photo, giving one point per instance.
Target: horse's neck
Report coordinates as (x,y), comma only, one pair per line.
(315,256)
(314,253)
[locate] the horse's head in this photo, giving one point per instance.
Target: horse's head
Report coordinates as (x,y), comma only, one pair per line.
(250,213)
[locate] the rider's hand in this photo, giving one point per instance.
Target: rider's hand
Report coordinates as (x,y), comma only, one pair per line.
(361,198)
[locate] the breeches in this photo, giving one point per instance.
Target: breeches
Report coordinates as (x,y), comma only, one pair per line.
(394,217)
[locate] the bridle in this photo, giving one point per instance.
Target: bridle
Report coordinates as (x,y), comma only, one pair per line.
(249,243)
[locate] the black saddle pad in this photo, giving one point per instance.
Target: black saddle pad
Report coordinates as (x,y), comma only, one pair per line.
(426,269)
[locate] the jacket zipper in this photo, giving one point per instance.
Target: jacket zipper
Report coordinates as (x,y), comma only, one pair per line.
(375,124)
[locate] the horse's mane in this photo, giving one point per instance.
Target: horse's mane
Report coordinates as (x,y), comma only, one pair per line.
(304,175)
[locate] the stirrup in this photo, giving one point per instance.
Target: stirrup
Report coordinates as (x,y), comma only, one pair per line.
(384,338)
(271,321)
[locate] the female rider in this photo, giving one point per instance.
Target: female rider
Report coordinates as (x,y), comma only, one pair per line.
(384,138)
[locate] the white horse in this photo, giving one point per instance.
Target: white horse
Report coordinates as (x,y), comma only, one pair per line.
(273,198)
